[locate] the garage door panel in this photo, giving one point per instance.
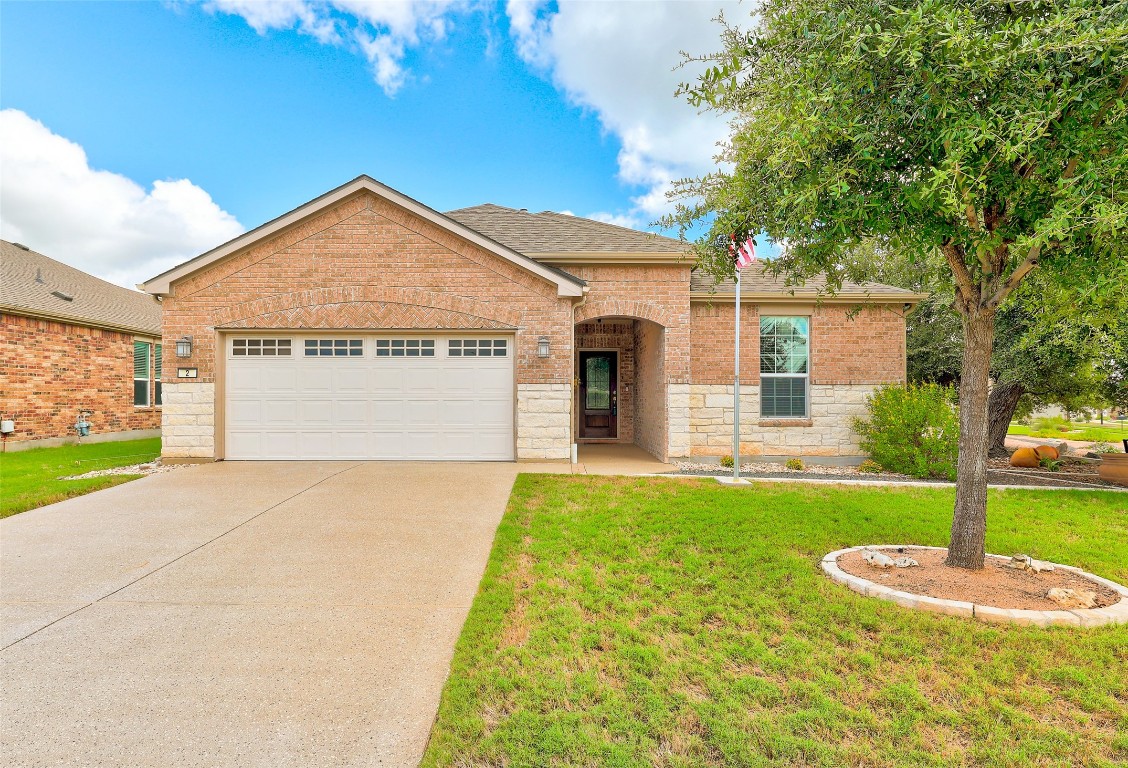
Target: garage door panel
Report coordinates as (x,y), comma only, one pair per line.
(362,406)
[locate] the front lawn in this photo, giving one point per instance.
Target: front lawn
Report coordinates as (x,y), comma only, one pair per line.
(1112,432)
(647,621)
(30,479)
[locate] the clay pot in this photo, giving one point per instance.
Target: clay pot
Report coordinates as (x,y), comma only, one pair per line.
(1025,457)
(1114,468)
(1046,452)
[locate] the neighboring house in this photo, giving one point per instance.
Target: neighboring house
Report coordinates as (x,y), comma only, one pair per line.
(70,342)
(364,324)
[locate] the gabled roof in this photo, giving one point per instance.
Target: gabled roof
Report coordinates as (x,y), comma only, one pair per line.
(554,236)
(756,283)
(566,284)
(34,285)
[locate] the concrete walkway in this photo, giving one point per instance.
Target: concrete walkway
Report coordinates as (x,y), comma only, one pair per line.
(241,614)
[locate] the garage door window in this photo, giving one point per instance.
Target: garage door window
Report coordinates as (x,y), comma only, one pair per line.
(334,347)
(405,347)
(477,348)
(260,347)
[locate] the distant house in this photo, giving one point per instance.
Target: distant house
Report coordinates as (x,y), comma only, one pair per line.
(70,343)
(366,325)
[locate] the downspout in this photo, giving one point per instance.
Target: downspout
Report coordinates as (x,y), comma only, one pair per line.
(573,383)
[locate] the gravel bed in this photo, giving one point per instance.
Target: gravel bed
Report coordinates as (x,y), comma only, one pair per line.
(148,468)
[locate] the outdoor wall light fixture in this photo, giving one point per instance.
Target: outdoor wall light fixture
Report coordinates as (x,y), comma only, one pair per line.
(184,347)
(542,346)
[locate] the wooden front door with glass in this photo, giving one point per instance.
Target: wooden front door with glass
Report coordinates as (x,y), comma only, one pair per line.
(599,395)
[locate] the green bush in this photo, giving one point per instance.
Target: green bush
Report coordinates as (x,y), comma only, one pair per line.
(1050,424)
(1052,465)
(870,467)
(912,429)
(726,461)
(795,464)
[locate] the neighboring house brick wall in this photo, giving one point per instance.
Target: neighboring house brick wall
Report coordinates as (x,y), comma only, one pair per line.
(369,264)
(51,370)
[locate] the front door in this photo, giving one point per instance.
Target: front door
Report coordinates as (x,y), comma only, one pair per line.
(599,395)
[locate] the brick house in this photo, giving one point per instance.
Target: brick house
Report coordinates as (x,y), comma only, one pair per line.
(364,324)
(70,342)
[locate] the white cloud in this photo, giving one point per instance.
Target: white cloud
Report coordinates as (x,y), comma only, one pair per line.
(98,221)
(381,30)
(619,59)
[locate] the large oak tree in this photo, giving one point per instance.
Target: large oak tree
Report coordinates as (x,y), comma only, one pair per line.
(994,133)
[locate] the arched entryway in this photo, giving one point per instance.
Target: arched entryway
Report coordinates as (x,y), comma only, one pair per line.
(620,389)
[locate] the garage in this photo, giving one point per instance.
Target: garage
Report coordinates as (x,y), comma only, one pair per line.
(369,396)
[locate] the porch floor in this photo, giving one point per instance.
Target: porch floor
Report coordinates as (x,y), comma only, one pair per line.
(605,459)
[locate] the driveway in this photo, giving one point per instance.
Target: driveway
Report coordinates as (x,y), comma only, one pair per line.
(241,614)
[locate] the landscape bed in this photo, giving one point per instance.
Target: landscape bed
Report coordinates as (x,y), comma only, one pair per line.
(677,622)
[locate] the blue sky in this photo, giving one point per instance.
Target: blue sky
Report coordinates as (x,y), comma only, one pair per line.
(200,120)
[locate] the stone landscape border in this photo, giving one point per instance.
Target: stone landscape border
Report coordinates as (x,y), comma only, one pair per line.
(1117,613)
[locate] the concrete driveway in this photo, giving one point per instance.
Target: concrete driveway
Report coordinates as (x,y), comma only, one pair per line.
(241,614)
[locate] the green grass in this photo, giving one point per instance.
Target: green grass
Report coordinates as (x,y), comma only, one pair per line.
(645,621)
(30,479)
(1107,433)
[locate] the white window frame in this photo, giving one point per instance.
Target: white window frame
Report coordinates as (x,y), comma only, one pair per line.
(806,376)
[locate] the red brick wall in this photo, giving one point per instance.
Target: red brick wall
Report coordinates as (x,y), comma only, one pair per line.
(866,348)
(52,370)
(368,263)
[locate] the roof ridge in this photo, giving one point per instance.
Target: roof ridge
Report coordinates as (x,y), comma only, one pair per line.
(597,224)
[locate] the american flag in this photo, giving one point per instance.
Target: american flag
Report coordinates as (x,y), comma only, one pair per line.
(745,253)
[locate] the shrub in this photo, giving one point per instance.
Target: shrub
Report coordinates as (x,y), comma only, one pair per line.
(726,461)
(870,466)
(795,464)
(912,429)
(1050,424)
(1052,465)
(1103,448)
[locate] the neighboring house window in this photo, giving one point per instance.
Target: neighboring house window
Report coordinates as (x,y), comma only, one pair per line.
(477,348)
(140,373)
(784,374)
(157,375)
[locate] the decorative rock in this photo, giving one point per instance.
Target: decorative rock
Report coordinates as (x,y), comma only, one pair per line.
(905,562)
(1073,598)
(1024,457)
(878,559)
(1027,563)
(1046,452)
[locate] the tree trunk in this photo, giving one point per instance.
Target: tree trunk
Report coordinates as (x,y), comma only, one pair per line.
(969,521)
(1000,410)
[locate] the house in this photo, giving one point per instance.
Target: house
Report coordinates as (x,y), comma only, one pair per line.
(365,325)
(71,344)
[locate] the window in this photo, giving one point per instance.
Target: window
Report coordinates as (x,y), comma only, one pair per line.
(260,347)
(334,347)
(141,373)
(405,347)
(477,348)
(784,367)
(157,375)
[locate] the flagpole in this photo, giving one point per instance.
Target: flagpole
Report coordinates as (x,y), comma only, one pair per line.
(736,388)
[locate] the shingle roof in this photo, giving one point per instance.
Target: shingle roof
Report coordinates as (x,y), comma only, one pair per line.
(756,280)
(550,232)
(30,283)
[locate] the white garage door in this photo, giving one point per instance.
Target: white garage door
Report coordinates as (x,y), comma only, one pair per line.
(329,396)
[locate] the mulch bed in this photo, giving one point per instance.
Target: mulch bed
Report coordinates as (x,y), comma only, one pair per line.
(995,585)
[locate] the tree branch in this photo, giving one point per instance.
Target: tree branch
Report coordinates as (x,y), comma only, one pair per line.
(964,284)
(1071,166)
(1021,271)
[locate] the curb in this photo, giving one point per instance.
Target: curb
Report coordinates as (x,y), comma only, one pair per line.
(1116,613)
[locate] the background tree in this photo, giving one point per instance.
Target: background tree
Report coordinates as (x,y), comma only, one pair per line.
(992,132)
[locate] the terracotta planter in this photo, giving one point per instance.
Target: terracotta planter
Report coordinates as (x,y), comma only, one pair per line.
(1114,468)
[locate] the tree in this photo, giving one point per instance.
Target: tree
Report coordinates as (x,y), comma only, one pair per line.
(993,133)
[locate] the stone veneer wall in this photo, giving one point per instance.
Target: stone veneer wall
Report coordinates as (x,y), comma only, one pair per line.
(544,418)
(826,433)
(188,424)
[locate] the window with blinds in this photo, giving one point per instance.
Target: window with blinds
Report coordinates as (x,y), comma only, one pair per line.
(157,374)
(784,357)
(141,351)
